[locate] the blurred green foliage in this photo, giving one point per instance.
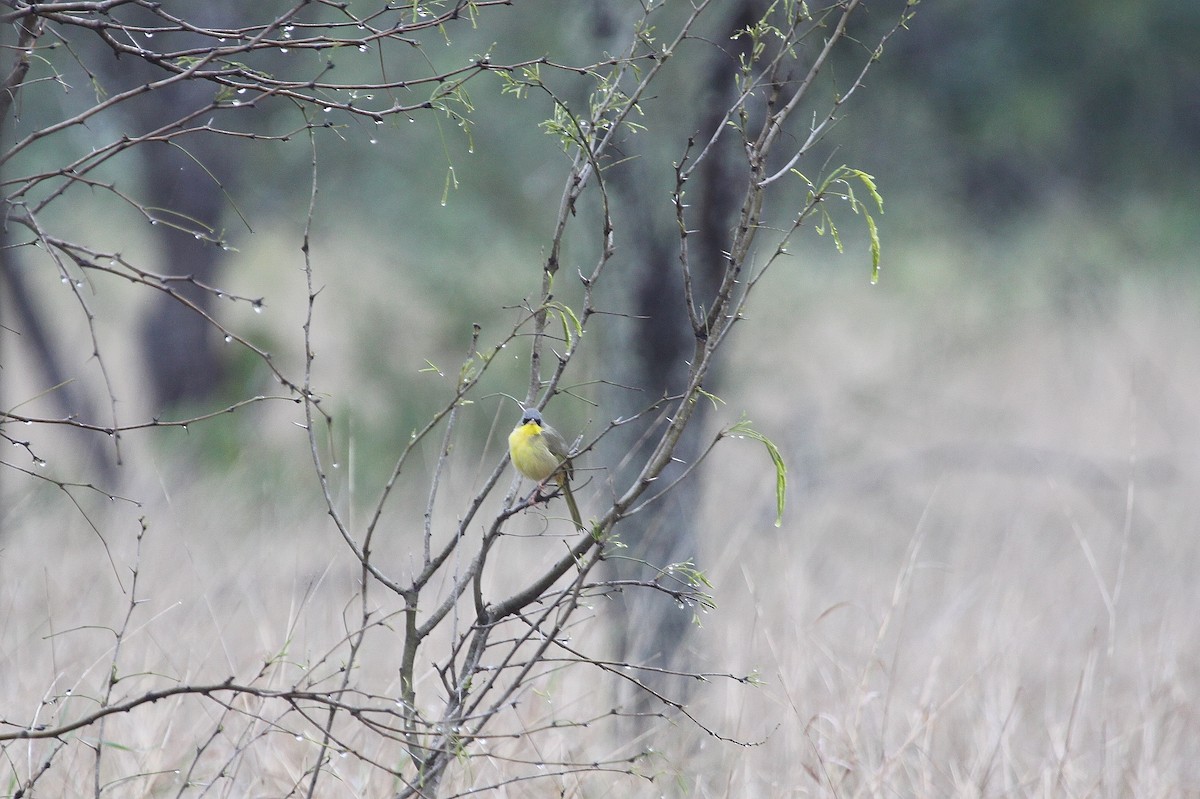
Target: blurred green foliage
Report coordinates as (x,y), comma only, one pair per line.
(974,117)
(1007,105)
(984,111)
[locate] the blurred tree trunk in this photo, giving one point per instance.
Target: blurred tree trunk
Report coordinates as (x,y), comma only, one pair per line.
(29,323)
(180,349)
(658,342)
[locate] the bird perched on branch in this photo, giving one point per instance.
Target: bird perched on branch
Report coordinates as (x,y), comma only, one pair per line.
(539,452)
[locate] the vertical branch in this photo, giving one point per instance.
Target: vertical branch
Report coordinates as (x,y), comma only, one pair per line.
(29,31)
(113,676)
(309,418)
(464,378)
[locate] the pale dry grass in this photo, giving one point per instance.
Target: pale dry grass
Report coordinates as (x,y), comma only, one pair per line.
(984,586)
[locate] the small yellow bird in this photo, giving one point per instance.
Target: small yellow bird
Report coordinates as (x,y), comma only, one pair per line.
(539,452)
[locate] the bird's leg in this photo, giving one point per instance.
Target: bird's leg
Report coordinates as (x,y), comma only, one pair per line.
(537,497)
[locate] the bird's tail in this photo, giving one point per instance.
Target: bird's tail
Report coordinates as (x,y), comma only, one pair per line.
(565,485)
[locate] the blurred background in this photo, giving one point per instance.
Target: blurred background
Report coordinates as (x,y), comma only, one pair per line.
(984,583)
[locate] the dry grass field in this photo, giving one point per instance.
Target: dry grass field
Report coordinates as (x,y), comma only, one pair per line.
(984,586)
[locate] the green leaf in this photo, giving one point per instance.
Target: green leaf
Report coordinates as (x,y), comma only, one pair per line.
(874,233)
(570,322)
(713,398)
(869,182)
(833,231)
(744,429)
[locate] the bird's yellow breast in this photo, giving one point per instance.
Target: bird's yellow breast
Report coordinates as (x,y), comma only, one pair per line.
(529,452)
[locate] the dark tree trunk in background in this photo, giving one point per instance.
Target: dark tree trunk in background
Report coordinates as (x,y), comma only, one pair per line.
(181,352)
(656,346)
(179,348)
(21,316)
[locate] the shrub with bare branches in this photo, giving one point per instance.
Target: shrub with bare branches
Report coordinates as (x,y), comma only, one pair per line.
(464,651)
